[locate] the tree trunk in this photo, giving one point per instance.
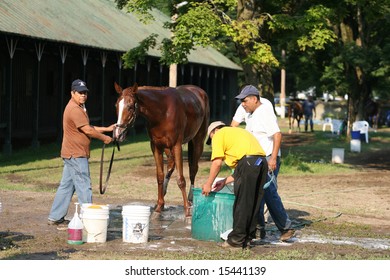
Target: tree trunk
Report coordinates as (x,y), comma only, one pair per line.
(261,77)
(352,32)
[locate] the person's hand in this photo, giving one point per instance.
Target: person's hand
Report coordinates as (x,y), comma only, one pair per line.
(271,164)
(111,127)
(206,189)
(218,185)
(107,140)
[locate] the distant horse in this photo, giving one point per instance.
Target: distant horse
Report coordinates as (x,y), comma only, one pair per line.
(371,111)
(295,112)
(174,116)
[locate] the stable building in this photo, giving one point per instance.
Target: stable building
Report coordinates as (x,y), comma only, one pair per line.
(46,44)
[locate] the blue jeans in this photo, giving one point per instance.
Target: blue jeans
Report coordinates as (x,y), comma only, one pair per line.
(274,204)
(75,177)
(309,120)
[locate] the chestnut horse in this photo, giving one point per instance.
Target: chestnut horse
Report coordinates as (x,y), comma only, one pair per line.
(174,116)
(295,112)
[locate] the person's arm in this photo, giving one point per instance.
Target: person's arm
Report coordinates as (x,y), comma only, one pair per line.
(239,116)
(272,161)
(214,170)
(90,131)
(220,184)
(105,129)
(234,123)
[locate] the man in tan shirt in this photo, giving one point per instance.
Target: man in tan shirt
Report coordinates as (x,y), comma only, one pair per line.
(75,153)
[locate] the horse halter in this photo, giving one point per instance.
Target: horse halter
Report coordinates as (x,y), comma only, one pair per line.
(125,126)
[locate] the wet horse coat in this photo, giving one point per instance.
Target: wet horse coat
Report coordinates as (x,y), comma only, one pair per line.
(174,116)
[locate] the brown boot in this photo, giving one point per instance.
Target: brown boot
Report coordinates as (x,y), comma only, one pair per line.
(287,234)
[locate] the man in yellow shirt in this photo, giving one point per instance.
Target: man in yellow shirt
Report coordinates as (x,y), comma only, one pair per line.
(240,150)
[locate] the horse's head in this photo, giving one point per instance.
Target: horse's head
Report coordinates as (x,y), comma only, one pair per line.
(126,110)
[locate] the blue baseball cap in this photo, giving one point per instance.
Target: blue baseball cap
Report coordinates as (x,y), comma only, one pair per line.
(79,85)
(246,91)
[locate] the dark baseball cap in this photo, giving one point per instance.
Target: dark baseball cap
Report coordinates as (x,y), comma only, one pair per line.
(246,91)
(79,85)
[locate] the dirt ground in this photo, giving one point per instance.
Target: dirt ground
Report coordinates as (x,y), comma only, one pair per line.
(336,215)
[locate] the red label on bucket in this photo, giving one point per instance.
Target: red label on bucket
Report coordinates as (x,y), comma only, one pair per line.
(75,234)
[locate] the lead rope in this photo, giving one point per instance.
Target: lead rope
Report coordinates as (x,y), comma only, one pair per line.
(101,186)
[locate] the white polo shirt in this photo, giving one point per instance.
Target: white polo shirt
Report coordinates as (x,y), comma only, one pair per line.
(262,123)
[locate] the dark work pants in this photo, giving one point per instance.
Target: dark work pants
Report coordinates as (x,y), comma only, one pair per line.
(248,189)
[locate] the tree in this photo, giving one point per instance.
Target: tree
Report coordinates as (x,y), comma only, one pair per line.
(338,45)
(356,64)
(362,29)
(349,55)
(211,23)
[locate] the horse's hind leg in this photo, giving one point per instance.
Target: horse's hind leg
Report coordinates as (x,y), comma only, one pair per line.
(195,150)
(158,158)
(289,125)
(170,169)
(178,157)
(193,166)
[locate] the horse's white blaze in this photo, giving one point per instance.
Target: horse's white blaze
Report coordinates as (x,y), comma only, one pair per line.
(120,112)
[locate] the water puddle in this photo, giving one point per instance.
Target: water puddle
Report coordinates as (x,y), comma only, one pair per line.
(171,231)
(171,220)
(367,243)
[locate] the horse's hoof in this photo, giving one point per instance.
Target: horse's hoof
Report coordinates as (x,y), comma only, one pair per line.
(188,220)
(188,212)
(158,208)
(155,215)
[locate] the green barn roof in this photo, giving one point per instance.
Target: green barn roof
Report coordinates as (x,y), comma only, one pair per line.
(92,23)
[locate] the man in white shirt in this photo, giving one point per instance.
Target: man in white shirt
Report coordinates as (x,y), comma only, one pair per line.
(259,116)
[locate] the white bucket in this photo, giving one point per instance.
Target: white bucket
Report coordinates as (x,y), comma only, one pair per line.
(135,223)
(355,145)
(95,219)
(337,155)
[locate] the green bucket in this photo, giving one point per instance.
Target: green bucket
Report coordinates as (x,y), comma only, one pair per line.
(212,215)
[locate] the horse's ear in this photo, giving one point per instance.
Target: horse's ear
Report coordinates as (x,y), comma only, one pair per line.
(135,87)
(118,88)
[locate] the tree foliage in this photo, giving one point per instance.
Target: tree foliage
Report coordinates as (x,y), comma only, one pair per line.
(205,23)
(336,45)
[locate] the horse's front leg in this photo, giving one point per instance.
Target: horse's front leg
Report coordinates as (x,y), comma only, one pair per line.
(299,124)
(158,158)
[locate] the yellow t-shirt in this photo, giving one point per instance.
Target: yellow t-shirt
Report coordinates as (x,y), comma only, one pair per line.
(233,143)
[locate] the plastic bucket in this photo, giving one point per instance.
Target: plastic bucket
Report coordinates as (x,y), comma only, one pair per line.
(95,219)
(337,155)
(355,145)
(355,134)
(135,223)
(212,215)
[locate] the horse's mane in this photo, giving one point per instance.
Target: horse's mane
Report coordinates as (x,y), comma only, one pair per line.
(152,88)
